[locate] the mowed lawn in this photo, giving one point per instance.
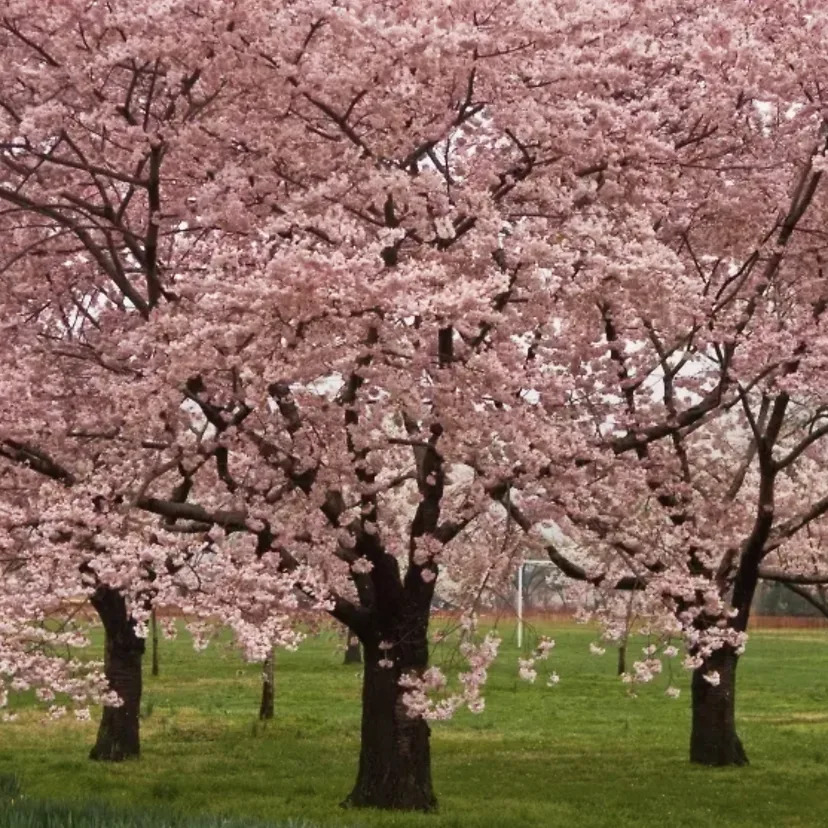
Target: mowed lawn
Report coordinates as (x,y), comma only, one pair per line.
(582,753)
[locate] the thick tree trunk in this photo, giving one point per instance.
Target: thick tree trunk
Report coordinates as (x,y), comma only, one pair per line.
(353,653)
(155,665)
(713,739)
(266,708)
(118,734)
(395,755)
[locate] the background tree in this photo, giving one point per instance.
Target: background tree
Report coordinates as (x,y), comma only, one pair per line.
(353,651)
(267,705)
(155,657)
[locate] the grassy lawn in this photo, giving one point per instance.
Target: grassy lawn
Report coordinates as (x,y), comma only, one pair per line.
(583,753)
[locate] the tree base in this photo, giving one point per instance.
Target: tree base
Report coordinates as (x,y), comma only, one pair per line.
(118,738)
(379,796)
(112,753)
(729,753)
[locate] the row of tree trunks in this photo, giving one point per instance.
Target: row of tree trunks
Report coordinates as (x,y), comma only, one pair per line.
(395,757)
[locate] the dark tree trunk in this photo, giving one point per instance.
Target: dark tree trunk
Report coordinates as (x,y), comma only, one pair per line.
(353,653)
(155,666)
(266,708)
(713,739)
(118,736)
(395,755)
(622,658)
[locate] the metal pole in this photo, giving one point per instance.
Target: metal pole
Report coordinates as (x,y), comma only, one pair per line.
(520,608)
(154,620)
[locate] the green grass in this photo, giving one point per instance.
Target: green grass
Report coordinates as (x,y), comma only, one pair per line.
(26,814)
(580,754)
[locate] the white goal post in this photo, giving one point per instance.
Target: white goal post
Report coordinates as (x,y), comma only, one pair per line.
(519,596)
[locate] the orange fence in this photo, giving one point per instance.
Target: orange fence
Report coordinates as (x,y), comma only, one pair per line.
(788,622)
(551,617)
(546,617)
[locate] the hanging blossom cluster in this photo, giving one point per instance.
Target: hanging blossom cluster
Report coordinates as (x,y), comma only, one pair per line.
(528,667)
(646,669)
(631,615)
(425,695)
(32,657)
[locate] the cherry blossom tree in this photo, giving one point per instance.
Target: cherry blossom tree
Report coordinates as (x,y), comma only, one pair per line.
(295,292)
(706,406)
(735,491)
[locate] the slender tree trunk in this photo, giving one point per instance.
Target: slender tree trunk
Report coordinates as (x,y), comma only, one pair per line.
(155,666)
(118,733)
(353,653)
(395,755)
(628,626)
(622,657)
(713,739)
(266,708)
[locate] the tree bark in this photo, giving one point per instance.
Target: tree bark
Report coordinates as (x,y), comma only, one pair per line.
(155,665)
(118,733)
(266,708)
(713,739)
(622,658)
(353,653)
(395,754)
